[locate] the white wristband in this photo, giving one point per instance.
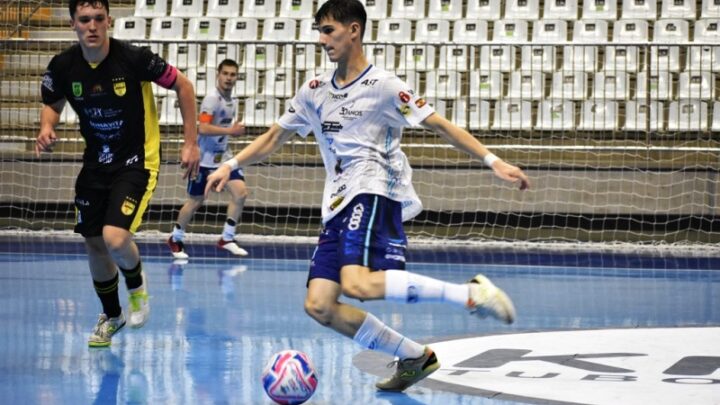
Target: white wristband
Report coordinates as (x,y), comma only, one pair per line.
(489,159)
(233,163)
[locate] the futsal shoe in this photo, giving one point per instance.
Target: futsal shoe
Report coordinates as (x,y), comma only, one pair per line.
(232,247)
(139,305)
(177,249)
(105,329)
(487,299)
(409,371)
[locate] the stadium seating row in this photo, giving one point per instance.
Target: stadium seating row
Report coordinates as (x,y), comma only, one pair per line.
(546,115)
(443,9)
(582,55)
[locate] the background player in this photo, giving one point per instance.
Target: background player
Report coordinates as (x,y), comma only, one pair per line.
(217,113)
(357,113)
(107,83)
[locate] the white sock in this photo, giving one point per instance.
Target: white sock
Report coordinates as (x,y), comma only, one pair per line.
(375,335)
(410,288)
(228,230)
(178,234)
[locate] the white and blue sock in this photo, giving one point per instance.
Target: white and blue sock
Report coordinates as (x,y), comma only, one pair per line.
(375,335)
(410,288)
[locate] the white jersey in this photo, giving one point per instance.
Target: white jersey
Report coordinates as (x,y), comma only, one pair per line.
(358,129)
(216,110)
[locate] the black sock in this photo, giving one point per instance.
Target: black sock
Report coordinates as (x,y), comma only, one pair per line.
(230,222)
(133,277)
(107,291)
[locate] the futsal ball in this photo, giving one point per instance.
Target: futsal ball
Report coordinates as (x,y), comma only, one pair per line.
(289,377)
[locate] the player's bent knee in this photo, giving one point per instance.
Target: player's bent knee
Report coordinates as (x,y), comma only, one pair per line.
(318,311)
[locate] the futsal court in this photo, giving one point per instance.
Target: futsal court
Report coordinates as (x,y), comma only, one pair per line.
(609,328)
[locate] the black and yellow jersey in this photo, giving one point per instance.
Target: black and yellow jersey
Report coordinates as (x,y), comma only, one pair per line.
(114,103)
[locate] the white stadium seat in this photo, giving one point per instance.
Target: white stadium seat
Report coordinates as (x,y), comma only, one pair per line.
(298,9)
(443,84)
(561,9)
(247,82)
(526,85)
(639,9)
(522,10)
(543,58)
(445,9)
(667,57)
(129,28)
(688,115)
(469,33)
(186,8)
(710,9)
(278,83)
(486,85)
(237,29)
(375,9)
(555,115)
(150,8)
(261,111)
(611,86)
(394,30)
(410,9)
(203,29)
(170,111)
(569,86)
(626,57)
(705,57)
(696,85)
(599,10)
(259,8)
(512,115)
(167,28)
(598,116)
(678,9)
(486,10)
(223,8)
(583,54)
(656,85)
(305,53)
(473,114)
(715,127)
(642,116)
(410,77)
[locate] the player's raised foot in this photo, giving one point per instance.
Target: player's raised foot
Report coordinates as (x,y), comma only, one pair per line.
(177,249)
(487,299)
(232,247)
(139,306)
(104,330)
(409,371)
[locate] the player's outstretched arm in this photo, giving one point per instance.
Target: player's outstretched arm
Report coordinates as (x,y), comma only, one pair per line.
(462,140)
(49,118)
(190,153)
(258,150)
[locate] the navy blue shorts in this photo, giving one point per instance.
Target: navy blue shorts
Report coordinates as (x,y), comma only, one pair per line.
(367,232)
(197,187)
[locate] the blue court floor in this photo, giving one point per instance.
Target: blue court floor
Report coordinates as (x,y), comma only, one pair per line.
(216,320)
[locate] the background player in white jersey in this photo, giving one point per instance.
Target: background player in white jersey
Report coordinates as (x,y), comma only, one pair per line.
(357,113)
(217,124)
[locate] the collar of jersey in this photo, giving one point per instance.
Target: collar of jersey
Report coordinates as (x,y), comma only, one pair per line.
(352,82)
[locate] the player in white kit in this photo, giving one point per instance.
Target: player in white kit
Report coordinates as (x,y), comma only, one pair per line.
(217,124)
(357,113)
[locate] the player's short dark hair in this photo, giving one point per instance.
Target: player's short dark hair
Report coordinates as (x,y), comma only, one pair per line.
(72,6)
(344,12)
(228,62)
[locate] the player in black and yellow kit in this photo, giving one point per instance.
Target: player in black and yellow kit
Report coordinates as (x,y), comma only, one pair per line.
(108,84)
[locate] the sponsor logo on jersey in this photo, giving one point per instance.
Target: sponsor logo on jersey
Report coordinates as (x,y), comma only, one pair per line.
(337,97)
(47,81)
(106,156)
(315,83)
(331,126)
(420,103)
(404,109)
(349,113)
(226,121)
(77,89)
(291,110)
(404,97)
(132,160)
(369,82)
(119,86)
(128,206)
(336,203)
(107,126)
(97,90)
